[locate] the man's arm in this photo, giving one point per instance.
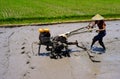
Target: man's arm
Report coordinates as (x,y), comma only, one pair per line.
(91,25)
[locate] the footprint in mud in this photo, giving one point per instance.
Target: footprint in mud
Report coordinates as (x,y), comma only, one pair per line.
(24,75)
(116,38)
(28,62)
(23,43)
(28,54)
(22,52)
(32,67)
(23,48)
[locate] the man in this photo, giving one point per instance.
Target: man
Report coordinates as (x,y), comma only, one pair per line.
(99,21)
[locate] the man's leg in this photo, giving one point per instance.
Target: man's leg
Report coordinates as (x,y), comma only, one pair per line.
(94,40)
(101,43)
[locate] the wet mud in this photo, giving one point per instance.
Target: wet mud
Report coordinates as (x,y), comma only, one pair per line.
(19,59)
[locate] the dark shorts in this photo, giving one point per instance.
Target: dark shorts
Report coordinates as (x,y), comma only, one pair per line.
(99,36)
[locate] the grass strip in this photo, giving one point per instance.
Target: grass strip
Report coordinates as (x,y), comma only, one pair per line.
(55,11)
(59,19)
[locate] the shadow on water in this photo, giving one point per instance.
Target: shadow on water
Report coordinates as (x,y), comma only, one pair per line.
(98,50)
(44,54)
(71,51)
(48,53)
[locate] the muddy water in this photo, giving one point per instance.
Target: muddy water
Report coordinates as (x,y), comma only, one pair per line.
(18,52)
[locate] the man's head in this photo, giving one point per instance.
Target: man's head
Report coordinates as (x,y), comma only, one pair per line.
(97,17)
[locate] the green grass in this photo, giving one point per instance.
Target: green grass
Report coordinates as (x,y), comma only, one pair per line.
(47,11)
